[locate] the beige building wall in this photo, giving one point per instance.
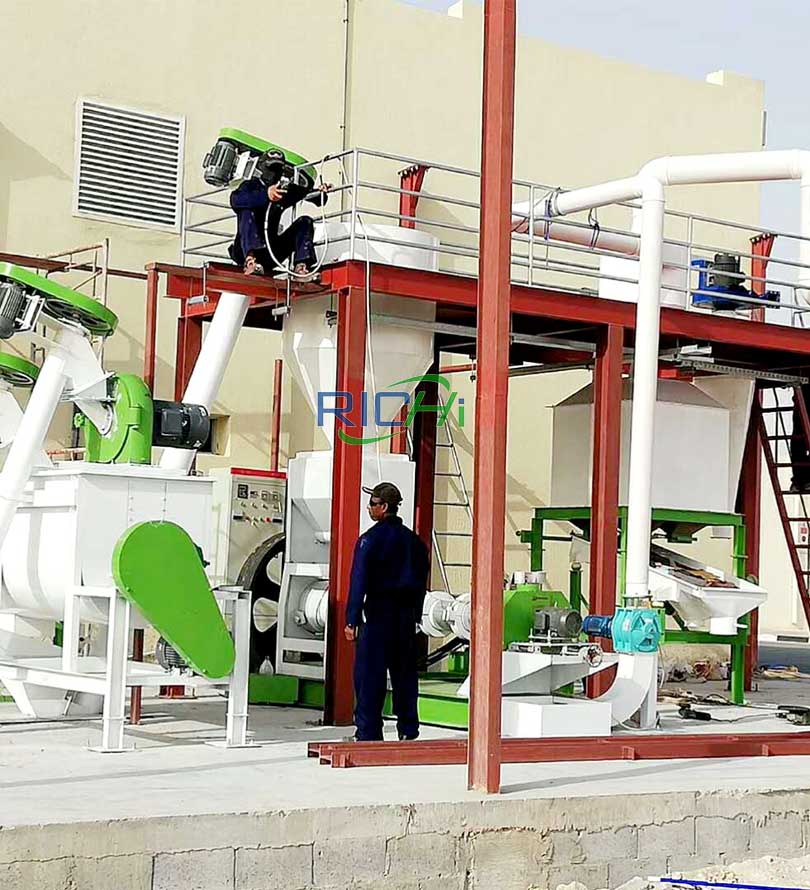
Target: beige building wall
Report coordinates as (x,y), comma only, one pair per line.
(412,87)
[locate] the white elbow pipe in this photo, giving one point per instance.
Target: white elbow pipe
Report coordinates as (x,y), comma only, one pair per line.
(209,368)
(744,166)
(645,390)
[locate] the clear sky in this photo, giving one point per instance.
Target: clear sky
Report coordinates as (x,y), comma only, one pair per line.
(766,39)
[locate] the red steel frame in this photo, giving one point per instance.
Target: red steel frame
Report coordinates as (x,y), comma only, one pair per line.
(607,436)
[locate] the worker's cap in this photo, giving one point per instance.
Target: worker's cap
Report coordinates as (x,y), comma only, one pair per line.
(386,492)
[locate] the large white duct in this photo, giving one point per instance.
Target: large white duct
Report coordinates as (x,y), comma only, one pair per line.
(649,185)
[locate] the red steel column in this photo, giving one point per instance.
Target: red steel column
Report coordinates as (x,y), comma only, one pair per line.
(399,438)
(607,415)
(189,344)
(347,470)
(424,453)
(275,432)
(149,361)
(150,335)
(492,389)
(749,504)
(761,247)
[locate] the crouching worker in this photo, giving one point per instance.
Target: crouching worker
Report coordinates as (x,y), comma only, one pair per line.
(259,204)
(388,583)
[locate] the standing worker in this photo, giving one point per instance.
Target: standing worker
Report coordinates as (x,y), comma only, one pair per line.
(388,584)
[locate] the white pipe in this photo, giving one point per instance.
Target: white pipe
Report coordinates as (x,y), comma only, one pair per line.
(554,230)
(26,448)
(648,185)
(645,389)
(209,368)
(803,291)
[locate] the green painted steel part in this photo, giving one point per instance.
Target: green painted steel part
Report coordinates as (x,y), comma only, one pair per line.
(157,567)
(62,303)
(130,441)
(16,371)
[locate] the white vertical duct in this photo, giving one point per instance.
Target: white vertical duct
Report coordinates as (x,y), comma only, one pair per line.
(210,366)
(648,185)
(645,388)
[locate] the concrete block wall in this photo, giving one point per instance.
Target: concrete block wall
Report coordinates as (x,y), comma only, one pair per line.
(470,845)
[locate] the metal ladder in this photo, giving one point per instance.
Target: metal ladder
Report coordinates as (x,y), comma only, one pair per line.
(774,409)
(457,474)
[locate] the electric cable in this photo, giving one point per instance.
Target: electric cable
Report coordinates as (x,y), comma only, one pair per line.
(287,269)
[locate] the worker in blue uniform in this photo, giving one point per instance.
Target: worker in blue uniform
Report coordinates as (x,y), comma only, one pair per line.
(388,584)
(259,204)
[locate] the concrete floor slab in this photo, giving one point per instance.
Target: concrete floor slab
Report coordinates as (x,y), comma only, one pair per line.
(49,775)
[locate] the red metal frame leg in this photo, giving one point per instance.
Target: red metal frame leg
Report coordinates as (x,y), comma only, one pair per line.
(492,390)
(605,486)
(275,430)
(399,439)
(749,504)
(150,334)
(347,469)
(189,344)
(424,452)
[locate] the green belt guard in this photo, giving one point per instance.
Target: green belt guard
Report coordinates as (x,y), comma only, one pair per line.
(130,440)
(157,567)
(17,371)
(61,302)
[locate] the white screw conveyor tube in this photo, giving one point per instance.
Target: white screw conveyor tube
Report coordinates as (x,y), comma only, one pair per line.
(648,185)
(210,366)
(25,450)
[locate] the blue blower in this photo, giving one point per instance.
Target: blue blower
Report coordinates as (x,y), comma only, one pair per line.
(632,630)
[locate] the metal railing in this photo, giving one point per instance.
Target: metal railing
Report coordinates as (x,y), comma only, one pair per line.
(365,198)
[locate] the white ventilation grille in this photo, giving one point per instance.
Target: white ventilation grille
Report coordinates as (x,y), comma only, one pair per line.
(129,166)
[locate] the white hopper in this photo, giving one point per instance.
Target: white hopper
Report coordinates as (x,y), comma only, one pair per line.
(699,436)
(397,353)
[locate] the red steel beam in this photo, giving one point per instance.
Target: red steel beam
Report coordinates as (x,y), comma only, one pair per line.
(347,469)
(455,290)
(150,334)
(492,390)
(618,747)
(49,265)
(607,435)
(275,430)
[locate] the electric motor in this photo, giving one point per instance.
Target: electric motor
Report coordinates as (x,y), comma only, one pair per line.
(168,657)
(563,624)
(219,164)
(12,301)
(724,271)
(178,425)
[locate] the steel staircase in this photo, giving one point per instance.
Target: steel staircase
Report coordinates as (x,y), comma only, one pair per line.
(774,411)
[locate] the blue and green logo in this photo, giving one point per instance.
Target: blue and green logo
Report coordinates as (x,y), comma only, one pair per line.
(341,406)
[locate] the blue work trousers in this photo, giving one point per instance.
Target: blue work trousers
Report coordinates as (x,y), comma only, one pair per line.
(386,646)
